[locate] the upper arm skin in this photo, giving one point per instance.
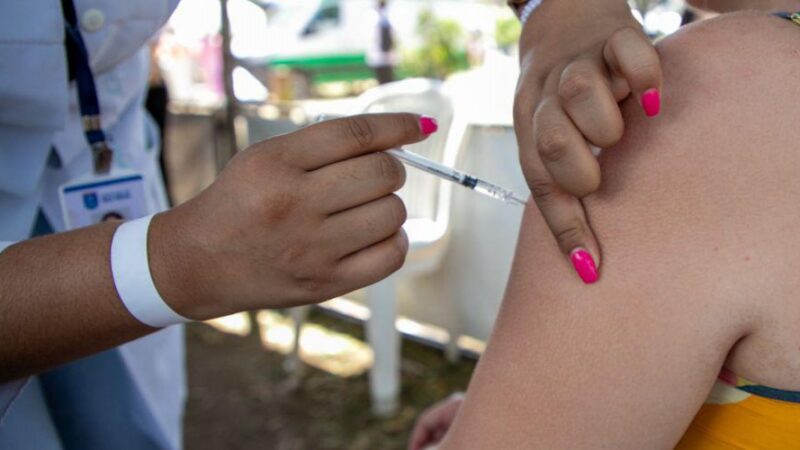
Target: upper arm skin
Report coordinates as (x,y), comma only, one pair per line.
(697,217)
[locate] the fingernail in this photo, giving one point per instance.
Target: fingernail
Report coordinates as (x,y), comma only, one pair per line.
(584,265)
(428,125)
(651,102)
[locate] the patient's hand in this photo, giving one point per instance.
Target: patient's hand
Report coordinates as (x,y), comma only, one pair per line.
(434,422)
(578,58)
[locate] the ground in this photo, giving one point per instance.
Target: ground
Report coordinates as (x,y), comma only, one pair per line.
(240,397)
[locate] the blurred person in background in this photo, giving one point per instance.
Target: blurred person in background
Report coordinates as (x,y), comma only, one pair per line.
(381,55)
(476,48)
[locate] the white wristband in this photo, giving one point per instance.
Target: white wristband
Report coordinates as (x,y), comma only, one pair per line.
(131,271)
(528,9)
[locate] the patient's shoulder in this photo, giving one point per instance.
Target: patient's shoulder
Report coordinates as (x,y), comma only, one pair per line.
(710,189)
(696,217)
(730,83)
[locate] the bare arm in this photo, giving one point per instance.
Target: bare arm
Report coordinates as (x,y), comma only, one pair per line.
(70,306)
(614,366)
(699,249)
(285,224)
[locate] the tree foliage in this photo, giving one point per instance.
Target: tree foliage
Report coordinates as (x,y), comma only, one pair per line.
(441,52)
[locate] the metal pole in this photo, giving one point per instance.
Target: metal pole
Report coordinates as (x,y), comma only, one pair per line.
(228,147)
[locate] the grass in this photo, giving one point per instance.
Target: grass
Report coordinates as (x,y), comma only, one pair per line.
(240,397)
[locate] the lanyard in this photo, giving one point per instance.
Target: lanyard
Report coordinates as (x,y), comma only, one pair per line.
(79,70)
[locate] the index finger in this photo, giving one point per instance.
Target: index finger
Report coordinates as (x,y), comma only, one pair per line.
(336,140)
(563,212)
(566,218)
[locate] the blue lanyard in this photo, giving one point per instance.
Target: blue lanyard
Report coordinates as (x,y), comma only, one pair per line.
(81,72)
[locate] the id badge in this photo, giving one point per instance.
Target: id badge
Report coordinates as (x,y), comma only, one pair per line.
(118,196)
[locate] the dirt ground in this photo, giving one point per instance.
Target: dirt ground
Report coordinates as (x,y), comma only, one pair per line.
(240,397)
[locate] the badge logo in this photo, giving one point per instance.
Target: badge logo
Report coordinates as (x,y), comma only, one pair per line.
(90,200)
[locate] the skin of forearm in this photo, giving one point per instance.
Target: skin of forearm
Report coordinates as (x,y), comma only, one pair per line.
(572,11)
(58,302)
(568,20)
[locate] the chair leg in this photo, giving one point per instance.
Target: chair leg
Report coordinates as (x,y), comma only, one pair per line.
(382,335)
(293,364)
(451,350)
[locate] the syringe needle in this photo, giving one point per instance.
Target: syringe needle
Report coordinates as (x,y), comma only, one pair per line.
(500,193)
(448,173)
(456,176)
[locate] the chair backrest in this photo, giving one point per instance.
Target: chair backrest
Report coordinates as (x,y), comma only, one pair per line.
(421,96)
(252,128)
(469,284)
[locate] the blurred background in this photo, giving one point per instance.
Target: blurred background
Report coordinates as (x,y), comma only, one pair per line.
(355,372)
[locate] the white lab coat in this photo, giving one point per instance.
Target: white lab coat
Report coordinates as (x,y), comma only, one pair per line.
(39,111)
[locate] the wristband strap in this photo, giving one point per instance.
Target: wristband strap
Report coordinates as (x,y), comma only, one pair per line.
(130,269)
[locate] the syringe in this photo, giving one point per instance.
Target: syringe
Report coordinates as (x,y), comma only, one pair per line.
(456,176)
(448,173)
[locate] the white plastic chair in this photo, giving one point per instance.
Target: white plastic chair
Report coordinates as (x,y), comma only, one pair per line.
(428,210)
(427,201)
(252,128)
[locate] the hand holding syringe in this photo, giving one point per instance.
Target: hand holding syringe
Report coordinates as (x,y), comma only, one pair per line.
(456,176)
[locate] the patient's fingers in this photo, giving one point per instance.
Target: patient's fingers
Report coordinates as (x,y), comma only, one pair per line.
(562,211)
(563,150)
(434,423)
(586,97)
(630,55)
(566,218)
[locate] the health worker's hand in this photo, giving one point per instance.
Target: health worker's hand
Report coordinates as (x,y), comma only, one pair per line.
(293,220)
(578,60)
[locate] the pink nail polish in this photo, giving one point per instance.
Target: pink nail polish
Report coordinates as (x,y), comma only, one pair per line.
(428,125)
(584,265)
(651,102)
